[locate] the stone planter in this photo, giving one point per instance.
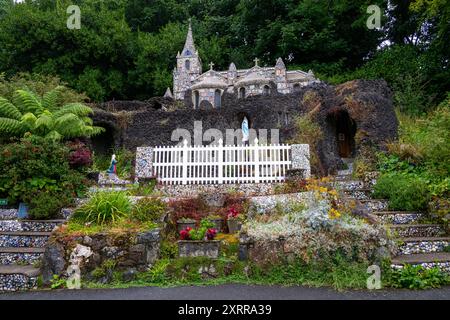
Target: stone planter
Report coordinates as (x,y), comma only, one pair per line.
(189,248)
(234,225)
(181,225)
(218,224)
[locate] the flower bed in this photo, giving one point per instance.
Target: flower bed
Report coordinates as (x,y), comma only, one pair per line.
(312,231)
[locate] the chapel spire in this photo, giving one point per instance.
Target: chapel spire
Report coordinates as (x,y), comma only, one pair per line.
(189,47)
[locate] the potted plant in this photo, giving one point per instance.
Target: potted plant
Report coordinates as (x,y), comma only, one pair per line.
(234,220)
(199,242)
(185,223)
(217,221)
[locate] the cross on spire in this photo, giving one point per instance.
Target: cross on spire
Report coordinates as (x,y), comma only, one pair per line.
(256,62)
(211,65)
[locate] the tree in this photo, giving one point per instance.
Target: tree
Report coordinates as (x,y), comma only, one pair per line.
(45,117)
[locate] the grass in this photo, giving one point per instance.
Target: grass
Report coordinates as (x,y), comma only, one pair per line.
(79,227)
(184,271)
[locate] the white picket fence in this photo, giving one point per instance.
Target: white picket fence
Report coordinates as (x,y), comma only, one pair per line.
(219,164)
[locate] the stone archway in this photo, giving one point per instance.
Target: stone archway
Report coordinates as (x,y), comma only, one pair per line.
(196,99)
(242,93)
(345,129)
(105,142)
(217,98)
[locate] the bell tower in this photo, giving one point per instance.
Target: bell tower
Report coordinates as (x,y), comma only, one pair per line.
(189,67)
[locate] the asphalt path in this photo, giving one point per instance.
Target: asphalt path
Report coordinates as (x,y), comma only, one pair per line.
(228,292)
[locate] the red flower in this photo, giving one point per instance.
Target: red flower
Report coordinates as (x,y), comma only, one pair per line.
(184,234)
(211,234)
(232,213)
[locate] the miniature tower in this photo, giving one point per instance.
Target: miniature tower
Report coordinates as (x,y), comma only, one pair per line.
(189,66)
(280,76)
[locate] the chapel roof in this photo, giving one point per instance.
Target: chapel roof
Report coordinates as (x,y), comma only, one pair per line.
(255,75)
(210,79)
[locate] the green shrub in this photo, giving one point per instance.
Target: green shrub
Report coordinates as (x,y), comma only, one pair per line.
(45,205)
(57,283)
(404,191)
(157,273)
(169,249)
(148,209)
(35,166)
(144,188)
(104,207)
(417,277)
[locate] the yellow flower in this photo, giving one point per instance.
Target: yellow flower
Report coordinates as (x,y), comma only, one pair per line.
(332,193)
(334,214)
(323,189)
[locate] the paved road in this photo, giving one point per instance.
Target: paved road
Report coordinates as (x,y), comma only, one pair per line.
(226,292)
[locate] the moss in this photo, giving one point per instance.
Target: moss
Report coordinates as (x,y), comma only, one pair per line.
(104,268)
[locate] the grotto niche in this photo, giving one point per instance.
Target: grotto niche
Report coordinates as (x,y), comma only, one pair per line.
(104,143)
(345,130)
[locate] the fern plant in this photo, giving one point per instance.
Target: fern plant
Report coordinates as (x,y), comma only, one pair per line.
(45,116)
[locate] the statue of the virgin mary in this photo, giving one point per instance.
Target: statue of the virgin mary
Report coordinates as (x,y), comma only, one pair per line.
(245,131)
(112,167)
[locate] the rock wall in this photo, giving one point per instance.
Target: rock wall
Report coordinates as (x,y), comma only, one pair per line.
(151,123)
(126,251)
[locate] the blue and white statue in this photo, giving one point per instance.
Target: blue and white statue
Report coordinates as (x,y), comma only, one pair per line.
(112,167)
(245,131)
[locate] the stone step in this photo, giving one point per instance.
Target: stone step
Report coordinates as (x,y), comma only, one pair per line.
(417,230)
(15,277)
(376,204)
(23,239)
(359,194)
(20,255)
(13,214)
(8,214)
(399,217)
(29,225)
(440,260)
(422,245)
(113,180)
(108,188)
(343,184)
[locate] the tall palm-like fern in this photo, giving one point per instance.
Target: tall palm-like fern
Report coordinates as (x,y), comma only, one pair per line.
(45,116)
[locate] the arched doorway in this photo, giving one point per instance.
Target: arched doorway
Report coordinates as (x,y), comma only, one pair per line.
(345,134)
(217,98)
(242,93)
(104,143)
(266,90)
(196,99)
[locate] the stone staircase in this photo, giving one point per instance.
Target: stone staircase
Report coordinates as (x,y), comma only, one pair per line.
(111,182)
(22,245)
(420,243)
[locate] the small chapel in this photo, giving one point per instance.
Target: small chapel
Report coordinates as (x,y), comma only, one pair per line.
(189,79)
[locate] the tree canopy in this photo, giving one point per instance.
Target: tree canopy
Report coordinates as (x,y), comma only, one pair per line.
(126,49)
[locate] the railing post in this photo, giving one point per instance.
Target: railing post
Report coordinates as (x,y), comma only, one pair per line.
(185,161)
(256,161)
(220,161)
